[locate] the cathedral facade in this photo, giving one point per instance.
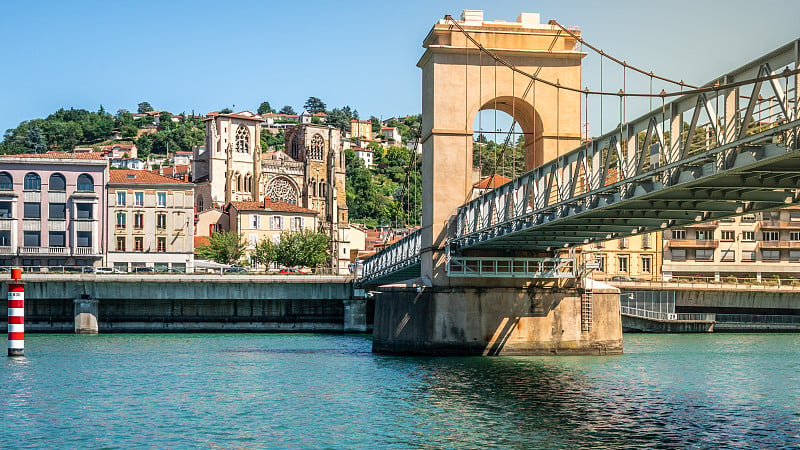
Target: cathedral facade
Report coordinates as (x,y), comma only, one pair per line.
(310,173)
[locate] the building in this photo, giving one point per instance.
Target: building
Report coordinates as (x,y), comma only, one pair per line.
(636,258)
(365,154)
(52,209)
(361,129)
(256,221)
(151,221)
(182,158)
(755,245)
(392,135)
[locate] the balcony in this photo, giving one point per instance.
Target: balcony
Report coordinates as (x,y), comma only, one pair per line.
(704,225)
(779,245)
(6,224)
(7,250)
(85,251)
(692,243)
(32,250)
(779,225)
(57,250)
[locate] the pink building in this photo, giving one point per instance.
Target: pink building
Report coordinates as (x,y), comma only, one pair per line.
(52,209)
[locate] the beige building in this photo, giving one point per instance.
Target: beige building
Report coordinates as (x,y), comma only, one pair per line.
(753,245)
(256,221)
(150,221)
(361,128)
(637,257)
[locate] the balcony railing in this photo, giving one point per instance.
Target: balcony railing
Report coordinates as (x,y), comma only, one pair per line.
(779,225)
(7,250)
(778,245)
(58,250)
(83,251)
(692,243)
(31,250)
(712,224)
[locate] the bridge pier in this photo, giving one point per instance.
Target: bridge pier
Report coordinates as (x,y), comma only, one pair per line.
(474,321)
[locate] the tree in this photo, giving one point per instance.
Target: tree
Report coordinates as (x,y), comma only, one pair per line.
(165,120)
(288,110)
(265,252)
(264,108)
(224,247)
(35,140)
(307,248)
(144,107)
(143,146)
(314,105)
(225,111)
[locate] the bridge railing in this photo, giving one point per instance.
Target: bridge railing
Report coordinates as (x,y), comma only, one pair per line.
(397,256)
(656,315)
(696,135)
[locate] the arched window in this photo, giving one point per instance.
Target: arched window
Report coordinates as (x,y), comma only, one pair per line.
(199,204)
(317,147)
(57,182)
(85,183)
(6,182)
(281,190)
(238,182)
(242,139)
(33,182)
(295,148)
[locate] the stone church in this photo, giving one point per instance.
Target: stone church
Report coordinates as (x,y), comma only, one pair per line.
(310,173)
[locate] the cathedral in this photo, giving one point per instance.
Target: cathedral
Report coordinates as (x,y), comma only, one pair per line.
(310,173)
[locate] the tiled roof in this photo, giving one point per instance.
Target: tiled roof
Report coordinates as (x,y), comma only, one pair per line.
(200,241)
(240,115)
(269,205)
(141,176)
(59,155)
(492,182)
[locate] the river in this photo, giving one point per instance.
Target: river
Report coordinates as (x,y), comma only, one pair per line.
(330,391)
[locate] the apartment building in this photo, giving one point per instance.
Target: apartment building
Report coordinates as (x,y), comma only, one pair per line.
(753,245)
(636,257)
(151,222)
(52,209)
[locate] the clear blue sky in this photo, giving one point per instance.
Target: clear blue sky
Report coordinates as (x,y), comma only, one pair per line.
(203,56)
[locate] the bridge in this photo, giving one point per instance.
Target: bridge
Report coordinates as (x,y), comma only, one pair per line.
(726,148)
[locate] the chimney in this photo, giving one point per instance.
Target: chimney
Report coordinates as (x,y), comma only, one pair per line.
(266,200)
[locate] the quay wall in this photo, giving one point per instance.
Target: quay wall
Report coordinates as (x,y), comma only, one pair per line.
(195,303)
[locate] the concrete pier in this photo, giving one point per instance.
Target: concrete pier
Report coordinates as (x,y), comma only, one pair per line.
(495,321)
(86,315)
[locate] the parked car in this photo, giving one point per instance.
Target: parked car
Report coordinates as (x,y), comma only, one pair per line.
(291,271)
(621,278)
(144,270)
(234,269)
(102,270)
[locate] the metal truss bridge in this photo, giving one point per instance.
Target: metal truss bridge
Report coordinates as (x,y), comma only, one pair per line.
(724,149)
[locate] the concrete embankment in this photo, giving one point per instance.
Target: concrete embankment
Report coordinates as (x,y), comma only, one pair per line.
(196,303)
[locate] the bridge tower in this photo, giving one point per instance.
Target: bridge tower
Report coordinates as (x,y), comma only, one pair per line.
(460,78)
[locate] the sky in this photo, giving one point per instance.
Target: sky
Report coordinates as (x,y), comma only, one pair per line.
(185,56)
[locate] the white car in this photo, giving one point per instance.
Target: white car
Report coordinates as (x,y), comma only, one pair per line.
(100,270)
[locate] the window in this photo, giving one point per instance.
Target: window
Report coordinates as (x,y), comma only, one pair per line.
(255,222)
(794,255)
(57,183)
(748,255)
(623,263)
(32,182)
(601,263)
(704,235)
(277,223)
(121,243)
(242,139)
(85,183)
(83,211)
(297,223)
(794,216)
(623,243)
(179,267)
(161,221)
(121,218)
(704,254)
(57,239)
(121,266)
(56,262)
(138,198)
(728,255)
(6,182)
(32,211)
(31,238)
(5,238)
(646,263)
(138,221)
(161,244)
(748,218)
(161,199)
(84,239)
(317,147)
(771,255)
(253,240)
(748,236)
(58,210)
(728,235)
(794,235)
(122,198)
(770,235)
(646,241)
(138,244)
(678,254)
(678,234)
(5,210)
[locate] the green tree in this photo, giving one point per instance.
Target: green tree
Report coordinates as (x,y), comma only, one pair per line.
(273,141)
(226,111)
(264,108)
(224,247)
(314,105)
(265,252)
(143,146)
(307,248)
(36,140)
(128,131)
(144,107)
(287,110)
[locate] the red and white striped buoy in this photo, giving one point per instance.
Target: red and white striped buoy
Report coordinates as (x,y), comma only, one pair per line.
(16,315)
